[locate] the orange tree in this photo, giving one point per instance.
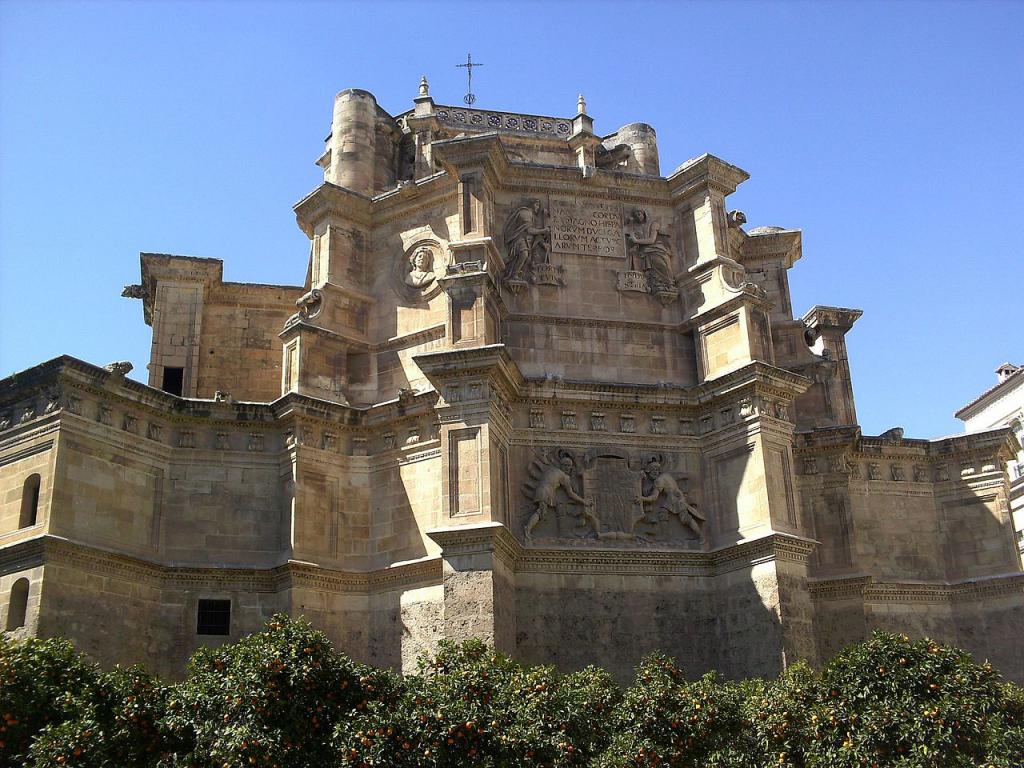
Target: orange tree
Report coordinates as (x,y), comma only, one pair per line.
(271,699)
(666,720)
(891,701)
(284,697)
(470,705)
(60,710)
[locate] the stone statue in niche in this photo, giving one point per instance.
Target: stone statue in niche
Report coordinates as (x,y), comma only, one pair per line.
(661,498)
(527,237)
(550,473)
(421,268)
(650,260)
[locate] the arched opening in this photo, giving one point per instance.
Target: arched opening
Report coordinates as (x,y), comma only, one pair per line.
(29,502)
(18,606)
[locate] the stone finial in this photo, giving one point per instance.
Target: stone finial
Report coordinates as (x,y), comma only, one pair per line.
(581,105)
(424,87)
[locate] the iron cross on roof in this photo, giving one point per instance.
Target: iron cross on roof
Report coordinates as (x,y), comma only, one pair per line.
(469,98)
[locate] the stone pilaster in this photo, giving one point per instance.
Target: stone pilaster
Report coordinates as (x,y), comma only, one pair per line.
(479,583)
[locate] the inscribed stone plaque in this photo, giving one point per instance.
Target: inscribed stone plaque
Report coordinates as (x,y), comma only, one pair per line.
(587,228)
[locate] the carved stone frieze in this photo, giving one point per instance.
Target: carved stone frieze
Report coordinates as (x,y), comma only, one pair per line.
(609,496)
(460,118)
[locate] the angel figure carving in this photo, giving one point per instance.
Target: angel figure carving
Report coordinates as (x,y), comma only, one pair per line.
(548,474)
(662,492)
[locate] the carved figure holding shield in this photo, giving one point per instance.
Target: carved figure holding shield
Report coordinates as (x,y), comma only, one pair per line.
(527,240)
(548,477)
(661,490)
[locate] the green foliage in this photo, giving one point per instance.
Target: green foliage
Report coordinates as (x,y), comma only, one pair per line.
(472,706)
(665,719)
(893,702)
(777,717)
(43,683)
(1005,735)
(284,697)
(60,710)
(271,699)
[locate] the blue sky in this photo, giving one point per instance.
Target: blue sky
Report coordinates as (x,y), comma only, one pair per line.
(889,132)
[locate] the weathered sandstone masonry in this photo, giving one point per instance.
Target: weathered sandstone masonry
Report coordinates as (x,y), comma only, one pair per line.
(529,390)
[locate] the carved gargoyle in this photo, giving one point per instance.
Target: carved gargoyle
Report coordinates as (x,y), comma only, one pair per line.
(737,219)
(119,368)
(309,303)
(606,157)
(135,292)
(895,434)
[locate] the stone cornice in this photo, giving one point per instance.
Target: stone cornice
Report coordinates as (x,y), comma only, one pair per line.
(405,201)
(999,444)
(705,172)
(869,590)
(784,245)
(456,541)
(491,359)
(841,318)
(329,199)
(757,372)
(55,550)
(483,150)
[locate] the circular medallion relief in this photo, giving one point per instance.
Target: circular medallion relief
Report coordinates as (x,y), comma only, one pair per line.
(418,268)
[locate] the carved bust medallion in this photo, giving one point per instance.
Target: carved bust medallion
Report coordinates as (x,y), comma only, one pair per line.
(418,269)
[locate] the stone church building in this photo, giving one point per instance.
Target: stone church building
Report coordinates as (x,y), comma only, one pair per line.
(530,389)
